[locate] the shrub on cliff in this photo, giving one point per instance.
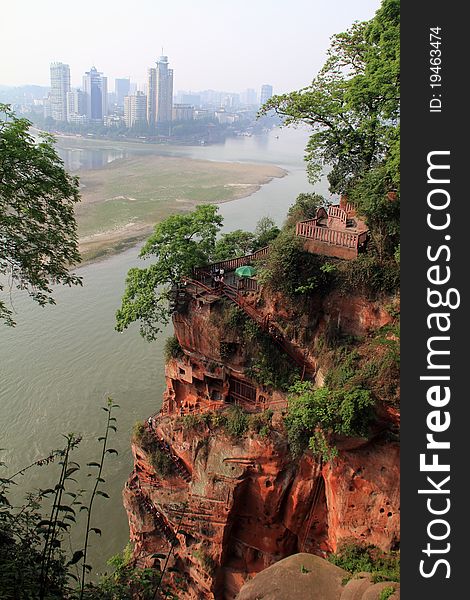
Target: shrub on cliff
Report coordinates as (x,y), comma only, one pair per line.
(357,558)
(292,271)
(237,421)
(173,348)
(315,414)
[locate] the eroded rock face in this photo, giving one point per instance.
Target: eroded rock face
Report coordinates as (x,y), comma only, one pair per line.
(232,506)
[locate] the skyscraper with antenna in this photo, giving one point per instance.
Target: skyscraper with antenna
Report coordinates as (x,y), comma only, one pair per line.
(160,94)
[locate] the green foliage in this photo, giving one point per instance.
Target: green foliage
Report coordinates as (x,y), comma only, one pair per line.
(126,582)
(353,103)
(292,271)
(376,368)
(233,244)
(369,274)
(240,243)
(38,232)
(382,214)
(342,411)
(173,348)
(237,421)
(97,491)
(266,232)
(138,431)
(33,560)
(146,439)
(357,558)
(161,462)
(179,244)
(200,423)
(305,207)
(353,108)
(386,593)
(261,423)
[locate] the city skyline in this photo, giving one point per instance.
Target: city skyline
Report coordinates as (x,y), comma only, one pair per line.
(212,45)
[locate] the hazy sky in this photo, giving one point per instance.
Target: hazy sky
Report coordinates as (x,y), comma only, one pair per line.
(217,44)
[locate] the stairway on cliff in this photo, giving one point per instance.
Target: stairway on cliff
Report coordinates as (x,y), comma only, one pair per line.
(202,290)
(160,524)
(178,464)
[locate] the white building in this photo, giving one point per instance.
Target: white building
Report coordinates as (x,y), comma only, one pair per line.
(160,93)
(60,85)
(76,106)
(135,109)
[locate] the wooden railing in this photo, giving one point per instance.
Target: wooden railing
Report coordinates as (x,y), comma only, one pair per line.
(336,237)
(336,212)
(232,263)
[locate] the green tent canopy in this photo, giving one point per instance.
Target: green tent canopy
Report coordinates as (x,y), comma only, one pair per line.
(246,271)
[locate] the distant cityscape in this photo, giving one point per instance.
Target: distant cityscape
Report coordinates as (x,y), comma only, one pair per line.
(154,111)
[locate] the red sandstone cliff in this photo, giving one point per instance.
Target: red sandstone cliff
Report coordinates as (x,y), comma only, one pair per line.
(230,507)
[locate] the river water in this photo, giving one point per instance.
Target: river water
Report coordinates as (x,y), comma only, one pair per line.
(59,364)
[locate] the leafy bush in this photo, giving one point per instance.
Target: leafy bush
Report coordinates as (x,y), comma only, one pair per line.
(146,439)
(386,593)
(161,462)
(368,274)
(260,423)
(237,421)
(292,271)
(305,208)
(173,348)
(357,558)
(343,412)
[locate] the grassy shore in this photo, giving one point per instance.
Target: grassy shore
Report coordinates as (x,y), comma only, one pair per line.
(122,201)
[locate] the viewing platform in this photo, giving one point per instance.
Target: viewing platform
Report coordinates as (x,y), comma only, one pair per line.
(334,232)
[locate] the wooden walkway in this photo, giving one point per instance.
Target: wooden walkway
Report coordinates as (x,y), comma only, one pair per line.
(231,293)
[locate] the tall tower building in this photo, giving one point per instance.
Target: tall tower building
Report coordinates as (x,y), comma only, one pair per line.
(95,87)
(135,109)
(60,85)
(160,93)
(122,89)
(266,93)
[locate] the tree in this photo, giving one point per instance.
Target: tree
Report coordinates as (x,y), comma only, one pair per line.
(38,232)
(266,232)
(305,207)
(234,244)
(180,243)
(353,107)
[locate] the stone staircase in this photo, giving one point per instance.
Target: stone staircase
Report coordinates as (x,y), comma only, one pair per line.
(177,462)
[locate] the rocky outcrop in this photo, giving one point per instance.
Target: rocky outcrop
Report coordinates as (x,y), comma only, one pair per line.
(228,505)
(307,577)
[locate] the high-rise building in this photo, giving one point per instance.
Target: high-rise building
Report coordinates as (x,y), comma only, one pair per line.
(60,85)
(121,89)
(248,97)
(160,93)
(76,105)
(95,87)
(266,93)
(135,109)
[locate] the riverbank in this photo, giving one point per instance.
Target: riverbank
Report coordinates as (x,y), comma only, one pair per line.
(122,201)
